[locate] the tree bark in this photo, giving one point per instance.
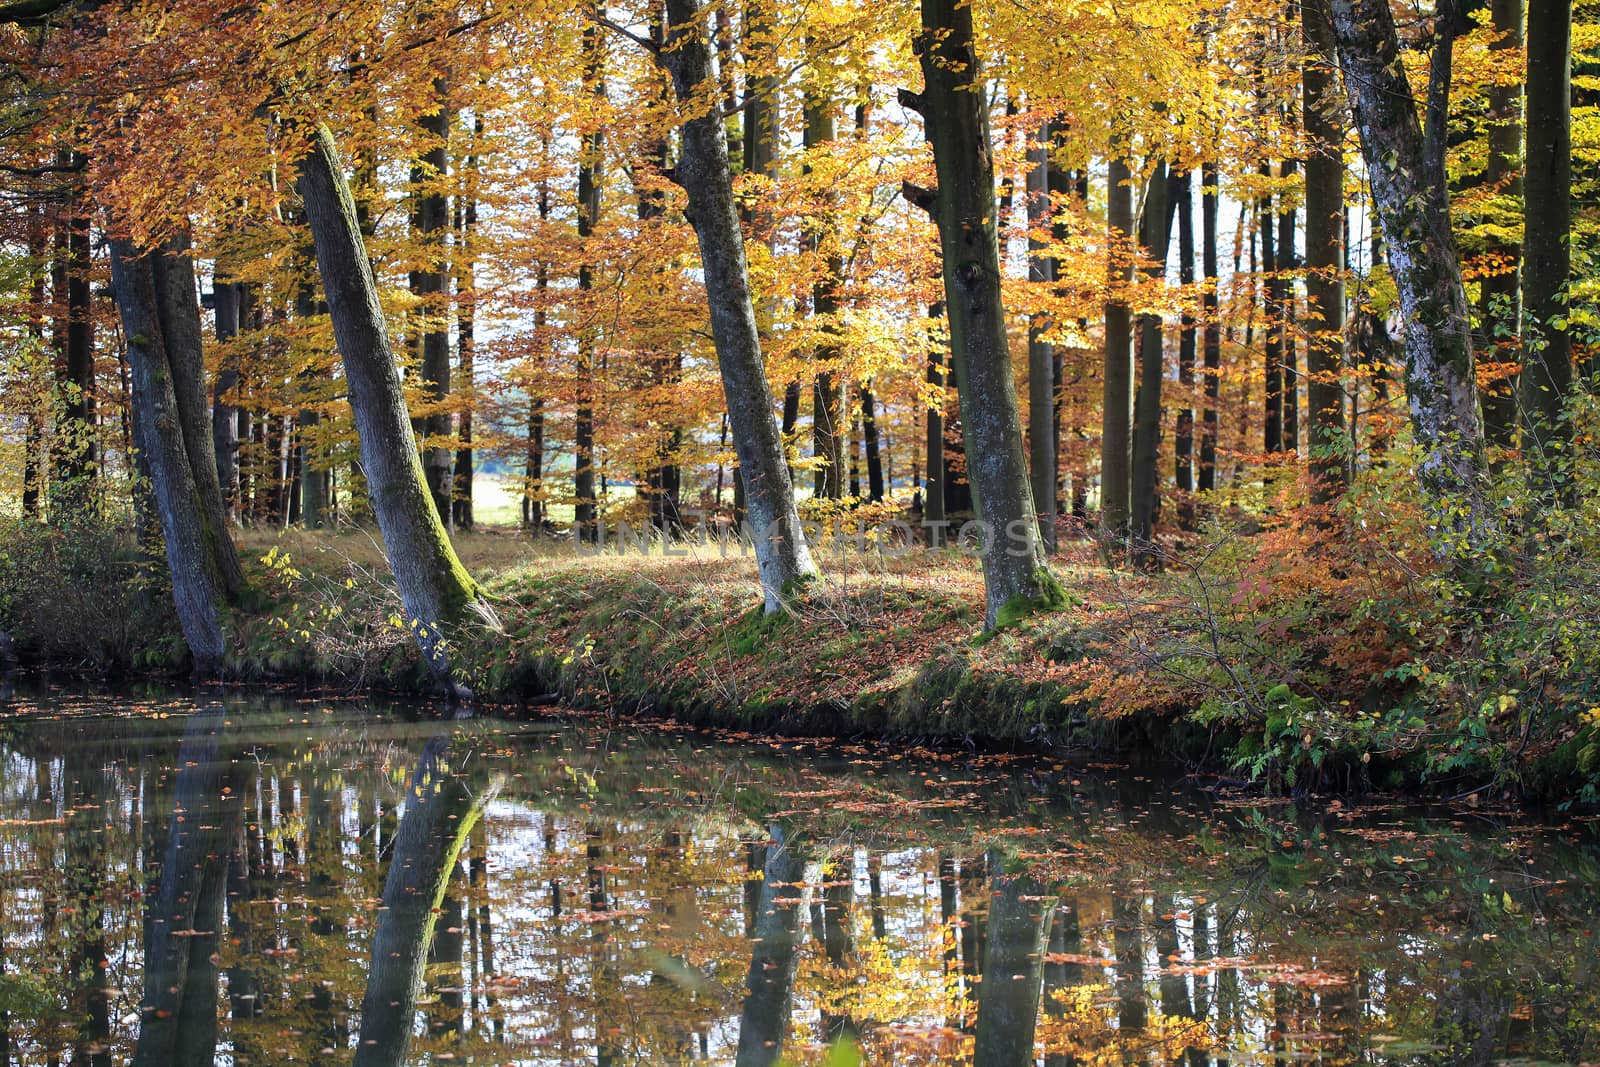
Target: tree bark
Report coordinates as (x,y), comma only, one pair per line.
(954,107)
(933,485)
(1116,428)
(590,178)
(782,555)
(435,588)
(1547,362)
(76,453)
(1183,437)
(829,426)
(1272,309)
(1323,118)
(1288,265)
(1156,235)
(871,445)
(430,221)
(1500,304)
(224,413)
(1410,192)
(198,589)
(466,342)
(1211,338)
(178,304)
(1042,359)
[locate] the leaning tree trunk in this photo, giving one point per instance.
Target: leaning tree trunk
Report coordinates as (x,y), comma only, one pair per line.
(1410,193)
(441,809)
(179,307)
(782,555)
(183,917)
(955,111)
(1323,117)
(435,588)
(198,590)
(1547,367)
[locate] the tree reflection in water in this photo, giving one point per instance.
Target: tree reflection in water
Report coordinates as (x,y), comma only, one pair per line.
(271,881)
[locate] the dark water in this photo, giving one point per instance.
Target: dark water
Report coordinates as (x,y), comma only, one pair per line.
(276,879)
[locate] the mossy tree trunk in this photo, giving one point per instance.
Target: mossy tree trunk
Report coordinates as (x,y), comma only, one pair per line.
(955,111)
(1409,189)
(782,555)
(1013,968)
(435,588)
(774,957)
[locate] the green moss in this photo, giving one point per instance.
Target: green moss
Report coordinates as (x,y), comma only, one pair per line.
(1052,597)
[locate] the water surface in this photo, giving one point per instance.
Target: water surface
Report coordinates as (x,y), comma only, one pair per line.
(270,878)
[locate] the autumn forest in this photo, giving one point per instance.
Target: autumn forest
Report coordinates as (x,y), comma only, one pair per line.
(1066,372)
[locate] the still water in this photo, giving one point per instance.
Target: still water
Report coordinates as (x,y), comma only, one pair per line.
(270,878)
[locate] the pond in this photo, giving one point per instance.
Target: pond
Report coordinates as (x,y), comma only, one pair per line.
(273,878)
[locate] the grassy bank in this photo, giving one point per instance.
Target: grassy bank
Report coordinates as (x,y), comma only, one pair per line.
(1293,656)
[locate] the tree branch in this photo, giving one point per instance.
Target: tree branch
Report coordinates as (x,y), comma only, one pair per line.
(917,195)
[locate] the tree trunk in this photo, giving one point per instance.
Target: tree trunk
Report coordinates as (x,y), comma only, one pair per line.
(871,445)
(954,107)
(1116,414)
(435,588)
(1287,266)
(1410,192)
(198,589)
(1183,437)
(1272,308)
(76,454)
(430,221)
(590,179)
(466,342)
(829,431)
(1547,363)
(782,555)
(1042,359)
(1323,117)
(933,486)
(224,413)
(1211,339)
(1155,232)
(1500,304)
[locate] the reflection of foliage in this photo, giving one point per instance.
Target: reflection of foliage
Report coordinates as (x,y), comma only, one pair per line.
(608,882)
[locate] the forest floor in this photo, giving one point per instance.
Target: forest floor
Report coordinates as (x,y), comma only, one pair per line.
(1257,655)
(1294,655)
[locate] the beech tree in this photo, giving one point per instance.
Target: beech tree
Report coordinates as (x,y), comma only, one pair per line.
(782,555)
(435,589)
(1409,190)
(954,108)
